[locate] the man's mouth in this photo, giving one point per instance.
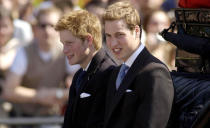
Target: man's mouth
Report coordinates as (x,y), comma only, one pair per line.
(70,56)
(116,50)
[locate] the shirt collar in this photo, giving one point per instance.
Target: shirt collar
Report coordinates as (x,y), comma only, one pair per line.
(87,66)
(133,57)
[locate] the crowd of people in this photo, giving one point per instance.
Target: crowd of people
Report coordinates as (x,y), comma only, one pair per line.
(35,76)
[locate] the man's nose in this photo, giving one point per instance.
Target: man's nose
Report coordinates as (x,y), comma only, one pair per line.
(65,49)
(48,30)
(2,31)
(113,42)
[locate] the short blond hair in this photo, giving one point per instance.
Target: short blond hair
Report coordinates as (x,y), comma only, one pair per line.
(81,23)
(122,10)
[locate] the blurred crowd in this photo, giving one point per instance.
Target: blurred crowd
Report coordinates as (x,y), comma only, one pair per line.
(34,73)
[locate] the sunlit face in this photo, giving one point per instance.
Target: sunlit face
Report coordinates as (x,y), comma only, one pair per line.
(148,4)
(74,48)
(157,22)
(45,32)
(6,30)
(121,40)
(8,4)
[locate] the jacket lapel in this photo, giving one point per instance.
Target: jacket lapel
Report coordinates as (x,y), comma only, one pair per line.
(111,89)
(93,68)
(75,98)
(136,67)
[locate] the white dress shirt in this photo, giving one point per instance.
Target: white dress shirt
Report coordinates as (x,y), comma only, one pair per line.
(133,57)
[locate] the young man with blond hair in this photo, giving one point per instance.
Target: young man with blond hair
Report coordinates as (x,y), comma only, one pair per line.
(80,33)
(140,91)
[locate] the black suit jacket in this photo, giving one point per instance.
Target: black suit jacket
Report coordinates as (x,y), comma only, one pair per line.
(88,112)
(144,98)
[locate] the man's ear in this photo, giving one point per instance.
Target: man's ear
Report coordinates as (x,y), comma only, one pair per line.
(89,39)
(137,31)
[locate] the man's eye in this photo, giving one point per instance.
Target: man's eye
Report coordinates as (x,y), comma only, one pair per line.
(120,34)
(107,36)
(68,43)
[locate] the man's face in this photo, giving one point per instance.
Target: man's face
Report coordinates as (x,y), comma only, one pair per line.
(74,48)
(45,32)
(6,30)
(121,40)
(157,22)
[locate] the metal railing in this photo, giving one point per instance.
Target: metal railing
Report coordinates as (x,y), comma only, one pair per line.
(31,120)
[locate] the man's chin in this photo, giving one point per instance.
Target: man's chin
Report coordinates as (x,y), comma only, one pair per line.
(71,63)
(118,57)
